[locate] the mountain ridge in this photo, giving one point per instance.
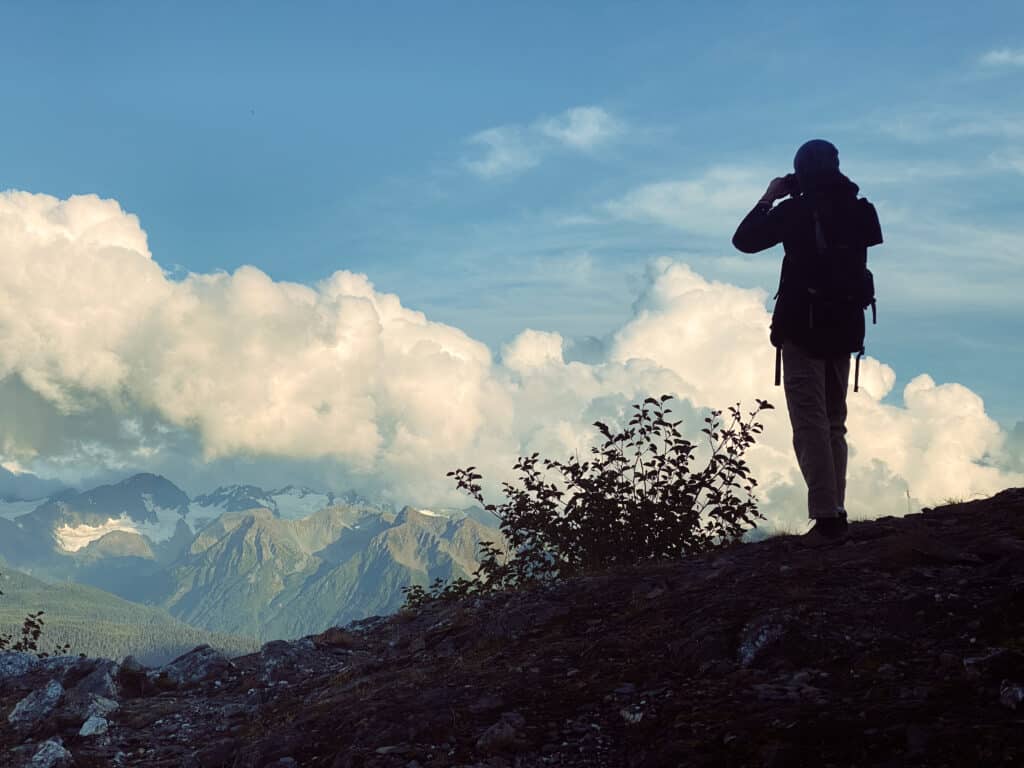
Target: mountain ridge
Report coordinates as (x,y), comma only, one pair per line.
(241,559)
(900,646)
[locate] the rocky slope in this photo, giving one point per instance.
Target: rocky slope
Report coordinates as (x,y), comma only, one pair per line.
(902,646)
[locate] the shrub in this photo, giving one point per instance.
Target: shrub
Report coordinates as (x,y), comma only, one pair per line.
(637,499)
(28,642)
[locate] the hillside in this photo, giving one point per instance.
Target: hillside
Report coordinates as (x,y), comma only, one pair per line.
(255,574)
(903,646)
(97,623)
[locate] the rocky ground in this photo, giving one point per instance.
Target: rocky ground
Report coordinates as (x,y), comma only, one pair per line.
(903,646)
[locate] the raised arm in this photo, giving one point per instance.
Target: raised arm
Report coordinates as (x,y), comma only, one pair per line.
(763,226)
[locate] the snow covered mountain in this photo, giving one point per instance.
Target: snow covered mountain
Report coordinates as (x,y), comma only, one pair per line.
(288,503)
(255,574)
(240,558)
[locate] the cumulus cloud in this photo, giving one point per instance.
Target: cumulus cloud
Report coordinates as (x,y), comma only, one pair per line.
(1003,57)
(109,362)
(508,150)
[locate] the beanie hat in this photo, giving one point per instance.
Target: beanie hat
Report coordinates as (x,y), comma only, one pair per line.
(816,161)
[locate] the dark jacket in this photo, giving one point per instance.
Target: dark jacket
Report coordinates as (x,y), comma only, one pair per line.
(819,307)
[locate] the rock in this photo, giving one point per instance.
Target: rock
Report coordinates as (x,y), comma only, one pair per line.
(36,706)
(280,659)
(392,749)
(102,706)
(132,678)
(758,636)
(995,663)
(504,736)
(57,666)
(335,637)
(100,681)
(51,754)
(15,664)
(200,664)
(1011,694)
(79,707)
(94,726)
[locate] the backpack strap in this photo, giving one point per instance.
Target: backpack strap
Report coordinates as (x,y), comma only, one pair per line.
(778,366)
(856,371)
(819,233)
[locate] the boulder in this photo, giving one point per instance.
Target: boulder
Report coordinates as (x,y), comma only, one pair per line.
(281,660)
(133,678)
(94,726)
(100,681)
(51,754)
(35,707)
(199,665)
(15,664)
(506,735)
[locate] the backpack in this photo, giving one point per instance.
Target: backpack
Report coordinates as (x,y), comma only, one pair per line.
(826,285)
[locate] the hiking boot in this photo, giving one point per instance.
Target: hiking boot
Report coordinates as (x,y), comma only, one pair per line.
(826,530)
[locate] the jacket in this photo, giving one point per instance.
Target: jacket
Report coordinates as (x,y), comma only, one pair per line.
(811,227)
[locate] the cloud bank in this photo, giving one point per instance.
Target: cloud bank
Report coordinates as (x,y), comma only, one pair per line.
(106,361)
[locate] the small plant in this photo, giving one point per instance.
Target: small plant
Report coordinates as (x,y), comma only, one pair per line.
(28,642)
(637,499)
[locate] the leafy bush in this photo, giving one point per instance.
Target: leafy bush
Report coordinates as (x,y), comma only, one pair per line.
(28,642)
(638,499)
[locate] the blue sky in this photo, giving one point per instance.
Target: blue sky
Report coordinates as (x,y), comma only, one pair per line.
(503,167)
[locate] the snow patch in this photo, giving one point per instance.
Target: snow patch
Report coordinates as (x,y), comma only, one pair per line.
(297,504)
(73,537)
(429,513)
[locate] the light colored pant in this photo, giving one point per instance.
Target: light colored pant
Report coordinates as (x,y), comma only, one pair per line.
(816,399)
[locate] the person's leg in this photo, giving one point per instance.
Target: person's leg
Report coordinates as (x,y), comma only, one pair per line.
(837,378)
(804,381)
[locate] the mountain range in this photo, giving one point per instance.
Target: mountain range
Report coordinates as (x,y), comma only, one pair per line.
(240,559)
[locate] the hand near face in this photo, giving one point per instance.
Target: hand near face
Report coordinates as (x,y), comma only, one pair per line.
(778,188)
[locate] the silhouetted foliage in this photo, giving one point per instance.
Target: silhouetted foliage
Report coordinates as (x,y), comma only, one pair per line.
(637,499)
(28,642)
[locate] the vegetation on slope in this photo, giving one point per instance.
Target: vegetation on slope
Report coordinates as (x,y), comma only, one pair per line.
(97,623)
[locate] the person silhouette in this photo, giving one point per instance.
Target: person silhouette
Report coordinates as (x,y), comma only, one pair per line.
(818,319)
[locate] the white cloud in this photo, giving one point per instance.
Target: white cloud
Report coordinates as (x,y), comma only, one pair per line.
(1003,57)
(505,152)
(106,360)
(531,350)
(712,203)
(581,127)
(508,150)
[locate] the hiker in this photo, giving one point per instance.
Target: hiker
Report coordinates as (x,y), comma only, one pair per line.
(818,321)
